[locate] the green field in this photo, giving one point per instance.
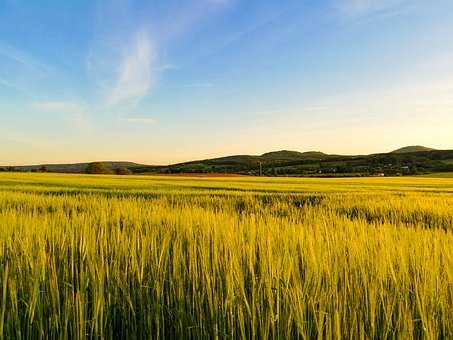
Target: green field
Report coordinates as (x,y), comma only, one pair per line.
(175,257)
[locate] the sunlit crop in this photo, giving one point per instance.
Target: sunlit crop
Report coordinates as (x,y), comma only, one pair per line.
(165,257)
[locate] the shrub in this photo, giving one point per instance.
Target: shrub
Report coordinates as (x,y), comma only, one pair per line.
(123,171)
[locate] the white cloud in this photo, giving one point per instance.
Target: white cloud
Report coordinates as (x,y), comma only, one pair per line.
(368,7)
(22,58)
(23,70)
(139,120)
(199,85)
(135,75)
(167,67)
(11,85)
(75,113)
(60,107)
(218,2)
(314,108)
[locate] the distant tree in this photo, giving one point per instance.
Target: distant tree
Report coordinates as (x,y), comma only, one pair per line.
(413,170)
(123,171)
(42,168)
(98,168)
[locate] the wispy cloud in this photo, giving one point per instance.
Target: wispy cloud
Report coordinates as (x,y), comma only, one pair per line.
(196,85)
(23,59)
(139,120)
(314,108)
(73,112)
(166,67)
(21,71)
(199,85)
(60,107)
(135,74)
(218,2)
(373,7)
(11,85)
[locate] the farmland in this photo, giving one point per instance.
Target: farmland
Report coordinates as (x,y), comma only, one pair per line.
(85,256)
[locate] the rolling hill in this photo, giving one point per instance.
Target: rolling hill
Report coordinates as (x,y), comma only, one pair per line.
(286,155)
(76,167)
(405,161)
(414,148)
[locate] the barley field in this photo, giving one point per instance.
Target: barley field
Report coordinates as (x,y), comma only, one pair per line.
(266,258)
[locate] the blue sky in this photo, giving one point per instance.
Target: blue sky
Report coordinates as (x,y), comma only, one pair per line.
(166,81)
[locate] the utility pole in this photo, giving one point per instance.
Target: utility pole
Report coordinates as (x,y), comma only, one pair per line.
(261,169)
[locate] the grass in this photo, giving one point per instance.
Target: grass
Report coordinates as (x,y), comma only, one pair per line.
(440,175)
(179,257)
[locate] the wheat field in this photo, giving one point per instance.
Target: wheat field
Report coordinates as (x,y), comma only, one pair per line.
(267,258)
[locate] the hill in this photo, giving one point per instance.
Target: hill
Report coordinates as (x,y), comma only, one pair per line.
(414,148)
(293,163)
(405,161)
(76,167)
(314,163)
(286,155)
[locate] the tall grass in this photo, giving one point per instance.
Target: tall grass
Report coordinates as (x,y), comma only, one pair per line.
(84,256)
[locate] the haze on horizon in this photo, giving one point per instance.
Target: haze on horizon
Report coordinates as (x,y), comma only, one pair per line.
(163,81)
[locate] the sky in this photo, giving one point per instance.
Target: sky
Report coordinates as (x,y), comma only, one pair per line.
(164,81)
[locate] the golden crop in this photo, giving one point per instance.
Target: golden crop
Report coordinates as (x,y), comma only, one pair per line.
(164,257)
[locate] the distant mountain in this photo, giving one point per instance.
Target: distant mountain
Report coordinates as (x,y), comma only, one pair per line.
(405,161)
(414,148)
